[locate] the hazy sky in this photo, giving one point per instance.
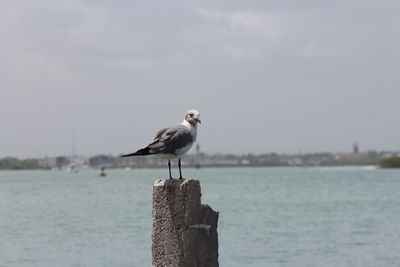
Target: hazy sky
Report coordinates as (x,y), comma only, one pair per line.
(266,76)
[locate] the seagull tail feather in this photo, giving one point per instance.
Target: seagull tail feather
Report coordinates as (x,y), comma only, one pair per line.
(141,152)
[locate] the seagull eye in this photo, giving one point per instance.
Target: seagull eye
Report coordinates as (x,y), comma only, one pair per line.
(191,115)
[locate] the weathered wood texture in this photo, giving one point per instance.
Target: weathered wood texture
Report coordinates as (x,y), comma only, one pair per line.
(184,231)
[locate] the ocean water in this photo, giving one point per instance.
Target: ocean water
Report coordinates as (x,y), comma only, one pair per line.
(268,216)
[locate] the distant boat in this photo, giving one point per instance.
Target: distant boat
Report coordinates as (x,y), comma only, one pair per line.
(74,166)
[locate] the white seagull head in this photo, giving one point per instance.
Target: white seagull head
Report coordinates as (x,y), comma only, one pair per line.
(193,117)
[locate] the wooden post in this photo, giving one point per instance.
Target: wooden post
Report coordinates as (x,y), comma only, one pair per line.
(184,231)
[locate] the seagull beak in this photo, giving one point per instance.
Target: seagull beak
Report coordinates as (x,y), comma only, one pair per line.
(198,120)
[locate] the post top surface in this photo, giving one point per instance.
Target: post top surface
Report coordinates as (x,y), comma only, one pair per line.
(174,182)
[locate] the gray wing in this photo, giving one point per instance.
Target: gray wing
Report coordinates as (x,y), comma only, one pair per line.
(159,134)
(169,140)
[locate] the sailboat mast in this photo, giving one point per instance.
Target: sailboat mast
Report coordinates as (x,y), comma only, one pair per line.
(73,146)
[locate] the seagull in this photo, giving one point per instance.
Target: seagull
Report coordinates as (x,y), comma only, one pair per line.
(174,141)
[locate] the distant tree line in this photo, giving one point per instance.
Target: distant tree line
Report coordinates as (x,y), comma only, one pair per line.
(19,164)
(392,162)
(384,159)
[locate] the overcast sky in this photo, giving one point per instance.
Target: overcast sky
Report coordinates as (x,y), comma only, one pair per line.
(267,76)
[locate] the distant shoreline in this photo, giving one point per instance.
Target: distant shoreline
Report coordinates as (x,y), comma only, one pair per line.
(370,158)
(204,167)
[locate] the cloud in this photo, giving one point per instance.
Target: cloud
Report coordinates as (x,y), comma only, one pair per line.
(242,35)
(317,50)
(260,23)
(99,66)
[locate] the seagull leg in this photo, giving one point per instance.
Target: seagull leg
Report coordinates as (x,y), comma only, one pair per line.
(169,168)
(179,165)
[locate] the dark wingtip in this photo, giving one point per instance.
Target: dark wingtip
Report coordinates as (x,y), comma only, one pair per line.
(140,152)
(127,155)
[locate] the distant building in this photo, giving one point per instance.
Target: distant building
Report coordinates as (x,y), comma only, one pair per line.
(355,148)
(100,160)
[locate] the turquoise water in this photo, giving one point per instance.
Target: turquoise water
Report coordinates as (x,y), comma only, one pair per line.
(268,216)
